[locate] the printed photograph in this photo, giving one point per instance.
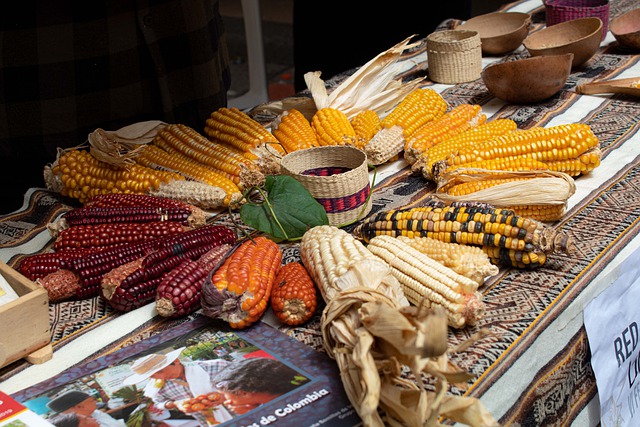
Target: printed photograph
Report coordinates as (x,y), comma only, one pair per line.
(203,378)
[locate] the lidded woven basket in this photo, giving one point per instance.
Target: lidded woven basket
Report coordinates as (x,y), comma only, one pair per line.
(557,11)
(454,56)
(336,176)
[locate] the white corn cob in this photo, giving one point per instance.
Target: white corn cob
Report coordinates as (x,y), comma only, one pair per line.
(338,261)
(469,261)
(385,145)
(427,282)
(197,193)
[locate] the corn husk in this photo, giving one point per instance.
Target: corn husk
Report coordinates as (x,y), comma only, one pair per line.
(373,334)
(119,147)
(540,188)
(374,86)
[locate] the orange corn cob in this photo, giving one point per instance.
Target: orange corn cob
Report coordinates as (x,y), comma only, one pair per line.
(221,157)
(294,131)
(239,291)
(332,127)
(454,122)
(366,124)
(234,127)
(294,298)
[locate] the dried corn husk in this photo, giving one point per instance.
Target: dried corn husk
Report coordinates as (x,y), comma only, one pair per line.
(266,113)
(372,334)
(374,86)
(119,147)
(540,188)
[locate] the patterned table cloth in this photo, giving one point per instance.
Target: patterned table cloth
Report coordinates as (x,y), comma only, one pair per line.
(534,369)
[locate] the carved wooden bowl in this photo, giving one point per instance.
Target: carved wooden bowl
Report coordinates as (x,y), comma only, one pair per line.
(626,29)
(500,32)
(528,80)
(580,36)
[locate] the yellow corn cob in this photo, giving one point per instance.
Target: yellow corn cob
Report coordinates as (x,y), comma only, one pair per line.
(538,189)
(156,158)
(476,135)
(515,258)
(234,127)
(545,213)
(419,107)
(456,121)
(470,187)
(219,156)
(512,163)
(468,261)
(584,163)
(336,261)
(366,124)
(429,283)
(82,176)
(332,127)
(294,131)
(561,142)
(474,224)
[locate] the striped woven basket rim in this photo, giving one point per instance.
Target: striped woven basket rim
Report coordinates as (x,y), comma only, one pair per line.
(336,176)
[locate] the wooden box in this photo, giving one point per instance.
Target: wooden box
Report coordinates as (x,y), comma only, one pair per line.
(25,331)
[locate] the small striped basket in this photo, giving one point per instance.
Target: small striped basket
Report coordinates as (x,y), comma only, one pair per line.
(557,11)
(336,176)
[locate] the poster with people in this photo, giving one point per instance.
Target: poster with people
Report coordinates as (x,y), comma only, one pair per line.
(199,374)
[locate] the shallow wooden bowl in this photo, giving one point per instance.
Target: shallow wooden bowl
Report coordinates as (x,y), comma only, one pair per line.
(626,29)
(580,36)
(528,80)
(500,32)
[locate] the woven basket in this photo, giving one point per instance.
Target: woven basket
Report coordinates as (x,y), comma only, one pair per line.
(557,11)
(336,176)
(454,56)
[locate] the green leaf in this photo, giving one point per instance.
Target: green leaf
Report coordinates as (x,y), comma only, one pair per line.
(287,212)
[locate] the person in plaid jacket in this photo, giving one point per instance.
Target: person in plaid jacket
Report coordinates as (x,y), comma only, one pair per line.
(69,67)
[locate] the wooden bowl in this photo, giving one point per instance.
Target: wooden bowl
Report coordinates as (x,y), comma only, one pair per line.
(580,36)
(626,28)
(500,32)
(528,80)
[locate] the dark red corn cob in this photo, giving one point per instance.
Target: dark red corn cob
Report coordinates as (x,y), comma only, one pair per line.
(103,235)
(88,266)
(114,200)
(180,291)
(37,266)
(134,284)
(133,214)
